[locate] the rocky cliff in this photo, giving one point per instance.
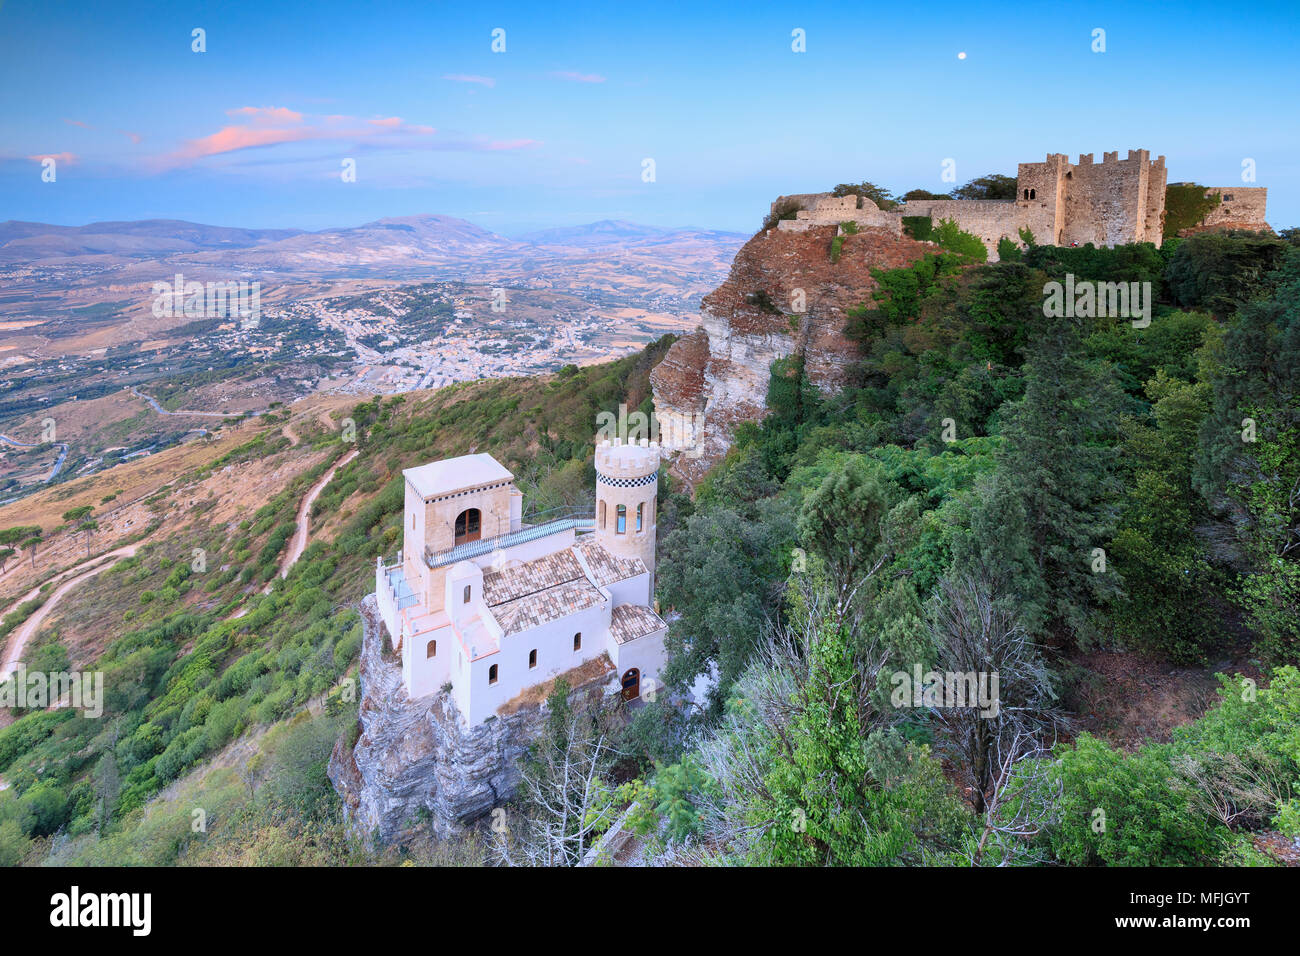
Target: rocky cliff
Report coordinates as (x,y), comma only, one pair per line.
(784,296)
(417,759)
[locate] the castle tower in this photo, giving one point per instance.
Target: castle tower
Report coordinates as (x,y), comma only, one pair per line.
(627,481)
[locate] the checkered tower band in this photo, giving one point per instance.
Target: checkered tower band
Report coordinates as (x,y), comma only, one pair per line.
(639,482)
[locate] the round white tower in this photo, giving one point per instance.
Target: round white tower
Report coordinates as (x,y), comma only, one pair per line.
(627,480)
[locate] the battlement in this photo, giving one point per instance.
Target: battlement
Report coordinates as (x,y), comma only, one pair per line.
(639,459)
(1107,203)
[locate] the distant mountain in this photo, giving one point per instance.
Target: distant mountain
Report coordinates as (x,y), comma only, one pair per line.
(618,232)
(29,241)
(428,245)
(405,240)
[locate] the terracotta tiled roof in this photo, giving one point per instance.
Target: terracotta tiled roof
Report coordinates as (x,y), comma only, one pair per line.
(546,605)
(509,584)
(607,568)
(630,621)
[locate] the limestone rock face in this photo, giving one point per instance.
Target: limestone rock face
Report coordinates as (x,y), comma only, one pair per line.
(417,759)
(784,296)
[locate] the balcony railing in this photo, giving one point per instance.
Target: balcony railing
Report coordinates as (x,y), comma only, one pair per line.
(584,521)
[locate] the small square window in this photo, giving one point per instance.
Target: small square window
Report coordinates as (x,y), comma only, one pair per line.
(532,659)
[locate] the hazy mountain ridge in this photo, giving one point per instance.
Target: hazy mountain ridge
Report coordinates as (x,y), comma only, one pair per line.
(395,242)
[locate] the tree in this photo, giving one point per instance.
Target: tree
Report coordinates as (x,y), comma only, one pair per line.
(806,766)
(1059,460)
(992,186)
(983,640)
(865,190)
(856,523)
(719,574)
(565,799)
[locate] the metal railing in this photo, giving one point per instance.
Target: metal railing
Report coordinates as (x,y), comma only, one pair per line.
(578,521)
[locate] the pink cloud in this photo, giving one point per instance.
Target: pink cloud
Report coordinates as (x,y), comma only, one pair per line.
(65,158)
(72,122)
(267,114)
(232,138)
(133,137)
(578,77)
(470,78)
(377,132)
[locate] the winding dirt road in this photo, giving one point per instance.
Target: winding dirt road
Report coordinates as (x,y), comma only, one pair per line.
(19,638)
(300,536)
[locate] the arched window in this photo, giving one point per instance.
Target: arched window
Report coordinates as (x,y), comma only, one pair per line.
(620,523)
(431,650)
(577,641)
(532,658)
(492,674)
(468,526)
(1033,194)
(1026,193)
(602,516)
(468,589)
(640,516)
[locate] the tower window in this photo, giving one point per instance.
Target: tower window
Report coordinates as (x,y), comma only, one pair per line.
(1033,194)
(412,522)
(1026,193)
(431,649)
(577,641)
(469,526)
(620,523)
(532,658)
(602,516)
(468,589)
(492,674)
(640,514)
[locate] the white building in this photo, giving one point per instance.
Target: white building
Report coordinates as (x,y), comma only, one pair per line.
(492,606)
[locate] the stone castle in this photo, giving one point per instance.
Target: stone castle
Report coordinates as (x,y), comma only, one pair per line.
(788,293)
(1110,203)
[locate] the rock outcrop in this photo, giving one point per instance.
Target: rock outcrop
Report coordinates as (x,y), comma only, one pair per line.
(417,761)
(784,296)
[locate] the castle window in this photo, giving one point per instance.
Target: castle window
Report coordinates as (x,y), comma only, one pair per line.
(468,526)
(1033,194)
(468,589)
(1026,193)
(532,658)
(577,641)
(602,516)
(640,515)
(620,524)
(431,650)
(1228,198)
(492,674)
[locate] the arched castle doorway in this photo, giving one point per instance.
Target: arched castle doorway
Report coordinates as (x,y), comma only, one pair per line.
(632,684)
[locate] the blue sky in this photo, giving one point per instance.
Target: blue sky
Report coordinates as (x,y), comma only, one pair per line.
(554,131)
